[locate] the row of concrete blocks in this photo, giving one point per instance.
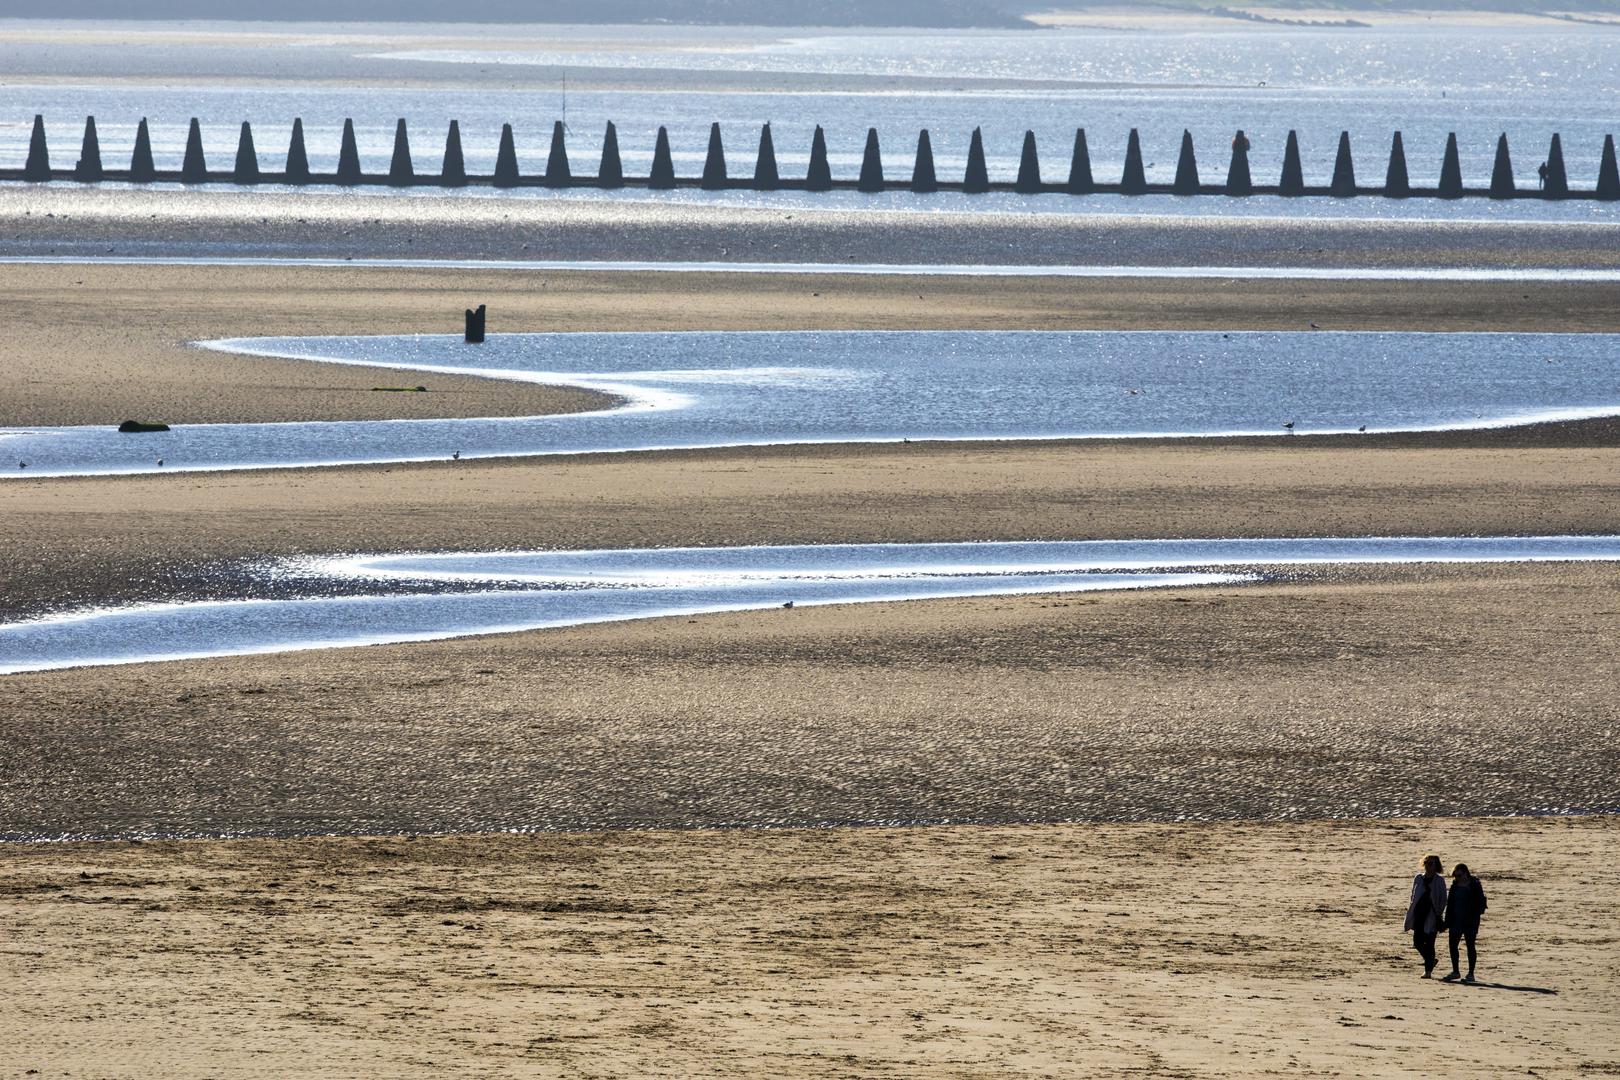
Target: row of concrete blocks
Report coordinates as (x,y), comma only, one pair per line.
(766,177)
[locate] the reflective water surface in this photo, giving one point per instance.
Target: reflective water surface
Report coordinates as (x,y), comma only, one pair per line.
(533,590)
(755,388)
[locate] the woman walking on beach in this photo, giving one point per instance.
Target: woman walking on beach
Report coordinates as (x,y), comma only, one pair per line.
(1463,908)
(1425,913)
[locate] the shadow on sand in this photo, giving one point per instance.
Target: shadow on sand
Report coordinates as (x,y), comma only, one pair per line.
(1505,986)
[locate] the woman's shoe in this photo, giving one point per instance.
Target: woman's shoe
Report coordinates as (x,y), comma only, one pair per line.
(1453,977)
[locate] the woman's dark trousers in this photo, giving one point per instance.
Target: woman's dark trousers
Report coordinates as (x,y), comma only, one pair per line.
(1468,934)
(1424,943)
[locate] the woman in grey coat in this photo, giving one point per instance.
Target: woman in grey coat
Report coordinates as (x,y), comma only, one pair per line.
(1425,915)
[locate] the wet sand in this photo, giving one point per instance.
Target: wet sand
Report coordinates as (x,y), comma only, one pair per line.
(1223,948)
(64,220)
(1099,951)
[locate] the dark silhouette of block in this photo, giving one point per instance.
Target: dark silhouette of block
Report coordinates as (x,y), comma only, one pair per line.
(1397,185)
(453,173)
(1029,167)
(558,174)
(714,165)
(474,334)
(194,167)
(871,178)
(1451,184)
(1186,167)
(1557,183)
(1080,181)
(141,169)
(1133,181)
(819,176)
(766,177)
(38,166)
(88,168)
(924,181)
(1292,183)
(1239,180)
(506,165)
(141,427)
(1608,184)
(401,170)
(348,169)
(663,166)
(297,156)
(610,174)
(247,158)
(1344,170)
(976,180)
(1502,172)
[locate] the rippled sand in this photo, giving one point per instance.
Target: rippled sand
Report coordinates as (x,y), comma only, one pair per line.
(1103,951)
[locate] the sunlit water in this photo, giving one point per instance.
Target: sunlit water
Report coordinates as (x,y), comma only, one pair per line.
(684,390)
(551,589)
(1477,82)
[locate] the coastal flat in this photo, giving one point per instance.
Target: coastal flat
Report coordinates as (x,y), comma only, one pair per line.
(1405,690)
(1229,950)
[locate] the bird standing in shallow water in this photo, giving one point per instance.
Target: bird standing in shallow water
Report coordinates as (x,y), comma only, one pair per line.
(456,456)
(1289,427)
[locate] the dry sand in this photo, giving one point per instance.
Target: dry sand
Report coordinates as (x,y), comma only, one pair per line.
(1059,951)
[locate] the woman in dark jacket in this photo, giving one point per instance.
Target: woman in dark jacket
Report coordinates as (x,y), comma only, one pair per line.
(1464,906)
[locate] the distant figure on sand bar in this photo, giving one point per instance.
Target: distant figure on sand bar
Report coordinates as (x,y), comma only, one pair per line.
(1426,912)
(1463,909)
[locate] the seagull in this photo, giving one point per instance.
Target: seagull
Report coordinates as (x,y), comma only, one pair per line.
(22,464)
(788,604)
(1315,327)
(456,456)
(160,463)
(1289,427)
(1363,427)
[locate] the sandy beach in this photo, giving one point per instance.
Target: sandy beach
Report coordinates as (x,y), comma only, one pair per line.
(1216,905)
(1106,951)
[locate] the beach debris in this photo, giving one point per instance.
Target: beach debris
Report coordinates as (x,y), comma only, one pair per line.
(137,427)
(475,326)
